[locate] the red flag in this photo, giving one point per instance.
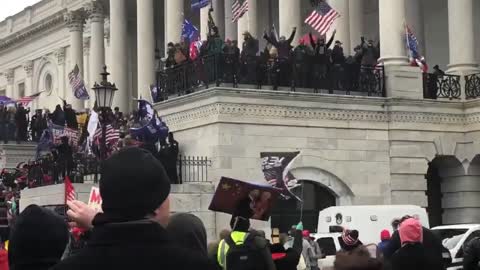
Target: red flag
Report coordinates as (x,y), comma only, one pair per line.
(70,194)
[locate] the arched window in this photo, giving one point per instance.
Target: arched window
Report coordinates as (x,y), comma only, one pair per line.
(48,82)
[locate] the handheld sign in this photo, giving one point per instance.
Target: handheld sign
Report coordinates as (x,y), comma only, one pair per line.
(95,199)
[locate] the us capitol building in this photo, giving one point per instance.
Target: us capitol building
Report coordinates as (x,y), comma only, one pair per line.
(399,148)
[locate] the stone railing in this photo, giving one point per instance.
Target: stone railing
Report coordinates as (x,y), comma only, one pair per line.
(441,86)
(472,86)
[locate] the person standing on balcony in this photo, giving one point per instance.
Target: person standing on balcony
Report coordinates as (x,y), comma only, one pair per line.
(320,61)
(3,123)
(250,48)
(170,62)
(370,53)
(338,68)
(284,48)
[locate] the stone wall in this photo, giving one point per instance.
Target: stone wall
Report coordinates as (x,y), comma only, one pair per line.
(365,150)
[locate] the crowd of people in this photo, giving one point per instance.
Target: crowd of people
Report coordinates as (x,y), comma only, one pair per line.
(314,63)
(141,234)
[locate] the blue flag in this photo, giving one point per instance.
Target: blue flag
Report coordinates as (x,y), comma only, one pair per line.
(151,127)
(189,31)
(198,4)
(77,84)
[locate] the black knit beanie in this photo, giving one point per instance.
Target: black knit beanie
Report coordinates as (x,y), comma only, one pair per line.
(133,184)
(39,237)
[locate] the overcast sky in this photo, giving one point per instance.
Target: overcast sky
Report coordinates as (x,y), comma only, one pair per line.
(12,7)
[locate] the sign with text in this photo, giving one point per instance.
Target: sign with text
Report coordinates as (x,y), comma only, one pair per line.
(95,199)
(58,132)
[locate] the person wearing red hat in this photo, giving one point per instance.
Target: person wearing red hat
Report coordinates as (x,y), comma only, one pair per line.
(311,251)
(385,240)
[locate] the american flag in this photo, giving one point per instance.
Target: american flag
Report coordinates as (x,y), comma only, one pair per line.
(322,18)
(70,194)
(26,100)
(412,43)
(112,135)
(239,8)
(77,84)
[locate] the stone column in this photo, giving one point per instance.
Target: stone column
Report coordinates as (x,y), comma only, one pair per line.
(87,78)
(75,21)
(392,32)
(357,29)
(252,16)
(461,37)
(62,76)
(174,16)
(230,27)
(219,16)
(95,13)
(414,19)
(242,25)
(10,76)
(204,22)
(342,24)
(119,53)
(28,67)
(146,48)
(290,14)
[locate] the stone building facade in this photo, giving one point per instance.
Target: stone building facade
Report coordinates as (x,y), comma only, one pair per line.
(400,149)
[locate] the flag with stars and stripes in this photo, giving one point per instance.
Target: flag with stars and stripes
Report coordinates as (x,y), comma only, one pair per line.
(322,17)
(77,84)
(239,8)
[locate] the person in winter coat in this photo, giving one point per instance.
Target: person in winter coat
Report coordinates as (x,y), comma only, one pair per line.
(37,240)
(357,259)
(70,116)
(349,240)
(412,255)
(385,239)
(471,255)
(188,232)
(130,234)
(370,53)
(287,259)
(432,244)
(58,116)
(321,61)
(21,120)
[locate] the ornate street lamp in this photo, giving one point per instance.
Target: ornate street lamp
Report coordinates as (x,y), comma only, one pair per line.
(104,93)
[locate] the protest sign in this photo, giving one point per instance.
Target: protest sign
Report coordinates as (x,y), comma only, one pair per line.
(249,200)
(58,132)
(276,169)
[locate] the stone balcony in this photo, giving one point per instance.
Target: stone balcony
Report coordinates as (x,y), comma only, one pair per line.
(13,154)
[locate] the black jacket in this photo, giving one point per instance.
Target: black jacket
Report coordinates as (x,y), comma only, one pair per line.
(411,257)
(471,255)
(432,244)
(138,245)
(288,259)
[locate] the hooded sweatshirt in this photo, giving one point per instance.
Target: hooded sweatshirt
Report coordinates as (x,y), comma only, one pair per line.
(189,232)
(38,239)
(412,255)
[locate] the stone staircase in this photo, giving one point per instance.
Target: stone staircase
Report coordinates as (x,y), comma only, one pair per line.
(12,154)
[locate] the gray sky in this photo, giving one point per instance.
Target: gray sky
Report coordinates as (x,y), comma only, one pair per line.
(11,7)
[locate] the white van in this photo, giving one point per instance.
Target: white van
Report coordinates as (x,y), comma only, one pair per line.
(454,237)
(369,220)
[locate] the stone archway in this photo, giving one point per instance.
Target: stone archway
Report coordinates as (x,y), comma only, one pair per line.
(319,189)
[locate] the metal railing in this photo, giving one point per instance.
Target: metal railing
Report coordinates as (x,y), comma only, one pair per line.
(193,169)
(305,76)
(441,86)
(472,86)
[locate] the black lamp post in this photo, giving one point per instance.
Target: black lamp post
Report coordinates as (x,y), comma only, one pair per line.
(104,93)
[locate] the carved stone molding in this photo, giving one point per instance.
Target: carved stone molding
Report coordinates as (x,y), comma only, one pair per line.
(28,67)
(75,20)
(95,11)
(10,76)
(27,33)
(86,46)
(60,55)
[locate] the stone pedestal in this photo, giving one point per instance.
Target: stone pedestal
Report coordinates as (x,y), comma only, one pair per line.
(403,82)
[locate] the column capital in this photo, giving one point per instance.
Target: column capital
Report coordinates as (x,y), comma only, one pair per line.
(60,55)
(28,67)
(75,20)
(9,75)
(95,11)
(86,46)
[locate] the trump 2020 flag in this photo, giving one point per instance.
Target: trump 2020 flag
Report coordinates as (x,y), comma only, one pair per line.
(189,31)
(276,169)
(198,4)
(151,127)
(77,84)
(244,199)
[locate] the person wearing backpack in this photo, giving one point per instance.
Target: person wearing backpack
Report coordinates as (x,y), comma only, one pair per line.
(244,249)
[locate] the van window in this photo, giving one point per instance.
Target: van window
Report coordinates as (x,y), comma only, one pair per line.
(471,236)
(328,246)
